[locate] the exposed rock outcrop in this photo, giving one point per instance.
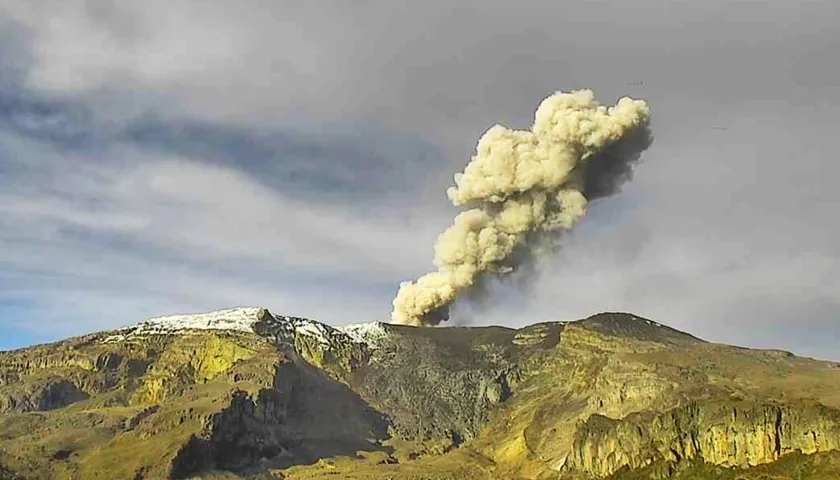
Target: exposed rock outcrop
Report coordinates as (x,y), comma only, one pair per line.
(729,434)
(304,417)
(42,396)
(438,384)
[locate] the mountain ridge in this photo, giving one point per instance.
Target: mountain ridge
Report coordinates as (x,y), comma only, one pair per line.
(245,393)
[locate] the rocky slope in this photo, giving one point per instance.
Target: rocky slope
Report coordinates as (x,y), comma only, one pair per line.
(243,393)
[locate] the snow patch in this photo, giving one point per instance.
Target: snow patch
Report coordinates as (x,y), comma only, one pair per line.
(650,322)
(313,329)
(240,319)
(243,319)
(114,338)
(369,333)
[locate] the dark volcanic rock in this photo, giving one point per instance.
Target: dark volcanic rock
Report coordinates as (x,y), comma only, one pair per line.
(439,382)
(627,325)
(43,396)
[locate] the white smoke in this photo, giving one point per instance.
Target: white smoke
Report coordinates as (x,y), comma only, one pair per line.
(522,184)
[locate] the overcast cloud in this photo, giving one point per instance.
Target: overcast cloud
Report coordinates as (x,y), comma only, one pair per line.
(163,157)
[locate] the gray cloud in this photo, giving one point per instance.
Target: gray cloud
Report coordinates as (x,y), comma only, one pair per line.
(84,239)
(726,233)
(200,210)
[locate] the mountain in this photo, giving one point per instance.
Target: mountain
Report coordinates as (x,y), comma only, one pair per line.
(244,393)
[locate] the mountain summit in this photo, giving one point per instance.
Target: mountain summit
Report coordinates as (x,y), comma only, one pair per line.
(244,393)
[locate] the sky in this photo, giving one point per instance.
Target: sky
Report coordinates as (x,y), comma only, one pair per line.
(173,157)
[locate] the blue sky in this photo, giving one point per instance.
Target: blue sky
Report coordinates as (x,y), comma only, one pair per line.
(192,155)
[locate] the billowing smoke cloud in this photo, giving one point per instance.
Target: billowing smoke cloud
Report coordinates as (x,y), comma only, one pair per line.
(524,185)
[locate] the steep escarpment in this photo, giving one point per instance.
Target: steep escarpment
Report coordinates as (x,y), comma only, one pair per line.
(54,376)
(430,383)
(628,396)
(122,409)
(159,401)
(728,434)
(47,394)
(304,417)
(435,383)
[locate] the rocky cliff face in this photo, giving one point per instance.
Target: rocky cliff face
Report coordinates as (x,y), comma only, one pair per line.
(730,434)
(49,394)
(249,393)
(434,383)
(304,417)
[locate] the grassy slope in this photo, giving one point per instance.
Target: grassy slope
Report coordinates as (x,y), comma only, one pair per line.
(568,373)
(591,372)
(144,419)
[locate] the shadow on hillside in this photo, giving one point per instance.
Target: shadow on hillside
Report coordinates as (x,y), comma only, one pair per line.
(305,417)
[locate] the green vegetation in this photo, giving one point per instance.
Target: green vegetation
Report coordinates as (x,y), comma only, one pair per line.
(144,399)
(613,397)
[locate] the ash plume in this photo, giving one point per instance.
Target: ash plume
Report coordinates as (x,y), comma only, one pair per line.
(523,187)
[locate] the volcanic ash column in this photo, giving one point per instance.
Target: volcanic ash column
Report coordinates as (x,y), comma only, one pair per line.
(520,185)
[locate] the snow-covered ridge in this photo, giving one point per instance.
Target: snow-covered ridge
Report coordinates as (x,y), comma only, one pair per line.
(243,319)
(240,319)
(369,333)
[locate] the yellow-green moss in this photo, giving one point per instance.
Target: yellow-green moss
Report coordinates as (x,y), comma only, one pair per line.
(192,359)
